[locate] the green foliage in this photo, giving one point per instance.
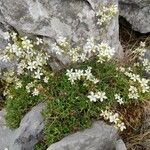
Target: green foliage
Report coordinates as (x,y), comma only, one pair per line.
(20,102)
(40,146)
(68,107)
(70,110)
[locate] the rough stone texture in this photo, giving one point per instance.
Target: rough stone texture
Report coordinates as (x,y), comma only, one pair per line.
(74,19)
(137,13)
(146,127)
(6,135)
(99,137)
(120,145)
(27,135)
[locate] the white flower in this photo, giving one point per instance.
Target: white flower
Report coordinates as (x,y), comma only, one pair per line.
(29,86)
(39,60)
(101,96)
(46,79)
(135,77)
(83,57)
(106,13)
(95,81)
(140,50)
(35,92)
(137,64)
(146,65)
(144,84)
(7,36)
(18,84)
(61,39)
(56,49)
(106,114)
(90,46)
(20,68)
(105,52)
(5,58)
(31,66)
(39,41)
(145,62)
(14,35)
(92,97)
(88,73)
(122,69)
(114,118)
(38,74)
(97,96)
(133,93)
(119,99)
(121,126)
(79,73)
(142,44)
(26,43)
(6,148)
(72,77)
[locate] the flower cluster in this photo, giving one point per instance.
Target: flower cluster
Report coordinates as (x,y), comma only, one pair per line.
(106,13)
(113,118)
(79,74)
(34,88)
(141,51)
(104,51)
(94,97)
(24,52)
(29,60)
(146,64)
(64,47)
(119,99)
(133,93)
(137,83)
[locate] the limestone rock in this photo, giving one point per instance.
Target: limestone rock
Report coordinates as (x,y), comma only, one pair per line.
(99,137)
(27,135)
(137,13)
(5,133)
(145,129)
(74,19)
(120,145)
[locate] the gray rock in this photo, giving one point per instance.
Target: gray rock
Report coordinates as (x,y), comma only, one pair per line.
(5,133)
(145,129)
(74,19)
(27,135)
(120,145)
(99,137)
(137,13)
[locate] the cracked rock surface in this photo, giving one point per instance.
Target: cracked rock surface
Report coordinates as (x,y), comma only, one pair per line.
(28,133)
(137,13)
(74,19)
